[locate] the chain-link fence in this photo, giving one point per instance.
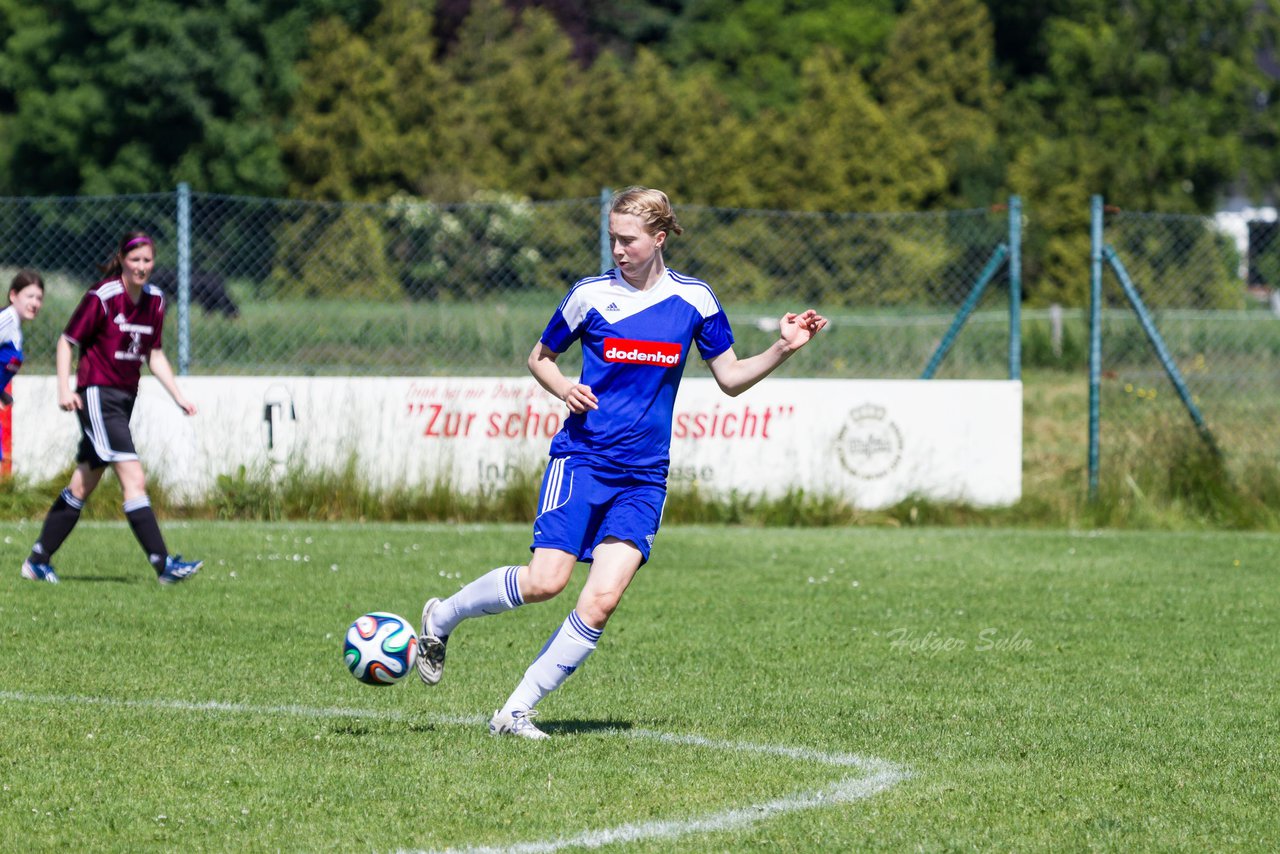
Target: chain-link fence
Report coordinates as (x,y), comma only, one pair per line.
(1222,337)
(283,287)
(412,288)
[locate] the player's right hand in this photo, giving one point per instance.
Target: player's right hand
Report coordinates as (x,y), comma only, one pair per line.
(579,398)
(70,402)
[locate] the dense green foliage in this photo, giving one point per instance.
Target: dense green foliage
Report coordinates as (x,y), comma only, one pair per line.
(99,98)
(786,104)
(756,49)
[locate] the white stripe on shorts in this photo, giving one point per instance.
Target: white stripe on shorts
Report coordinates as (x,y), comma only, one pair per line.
(555,482)
(98,430)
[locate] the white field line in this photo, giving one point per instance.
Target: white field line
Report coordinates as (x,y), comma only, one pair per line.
(875,775)
(233,708)
(843,791)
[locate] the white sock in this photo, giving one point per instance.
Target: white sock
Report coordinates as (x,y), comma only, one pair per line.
(564,653)
(492,593)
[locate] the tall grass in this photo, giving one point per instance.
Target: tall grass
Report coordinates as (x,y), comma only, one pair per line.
(342,494)
(1177,484)
(1173,479)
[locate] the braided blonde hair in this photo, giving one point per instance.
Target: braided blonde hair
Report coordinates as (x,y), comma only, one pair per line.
(651,206)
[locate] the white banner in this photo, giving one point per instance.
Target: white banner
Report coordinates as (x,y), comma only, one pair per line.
(872,442)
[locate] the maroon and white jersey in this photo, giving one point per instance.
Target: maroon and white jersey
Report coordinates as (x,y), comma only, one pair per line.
(115,335)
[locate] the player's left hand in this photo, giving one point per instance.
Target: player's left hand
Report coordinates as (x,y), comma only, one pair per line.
(186,406)
(798,329)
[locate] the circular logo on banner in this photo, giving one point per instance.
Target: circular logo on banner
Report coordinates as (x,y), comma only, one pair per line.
(869,445)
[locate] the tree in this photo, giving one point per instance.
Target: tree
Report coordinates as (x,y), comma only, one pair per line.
(645,124)
(104,98)
(1142,102)
(755,49)
(937,81)
(335,251)
(594,28)
(1018,27)
(519,98)
(839,150)
(365,122)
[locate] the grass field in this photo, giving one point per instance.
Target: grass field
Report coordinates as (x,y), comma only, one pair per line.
(797,690)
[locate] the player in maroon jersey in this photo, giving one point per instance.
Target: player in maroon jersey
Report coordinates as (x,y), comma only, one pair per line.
(117,328)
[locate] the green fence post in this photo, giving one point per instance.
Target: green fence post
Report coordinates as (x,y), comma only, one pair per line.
(184,278)
(1015,288)
(606,248)
(1095,339)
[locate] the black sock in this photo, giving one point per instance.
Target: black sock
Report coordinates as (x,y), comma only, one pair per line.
(62,517)
(147,530)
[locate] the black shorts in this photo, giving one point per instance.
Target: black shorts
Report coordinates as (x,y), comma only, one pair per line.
(104,421)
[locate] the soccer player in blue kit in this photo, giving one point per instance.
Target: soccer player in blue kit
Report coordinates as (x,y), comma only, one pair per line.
(605,485)
(26,296)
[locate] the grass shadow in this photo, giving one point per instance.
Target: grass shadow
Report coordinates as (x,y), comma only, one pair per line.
(578,727)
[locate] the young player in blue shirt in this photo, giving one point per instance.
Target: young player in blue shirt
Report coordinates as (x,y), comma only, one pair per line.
(26,296)
(603,492)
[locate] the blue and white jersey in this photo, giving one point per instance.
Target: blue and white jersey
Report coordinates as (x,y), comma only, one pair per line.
(10,345)
(634,346)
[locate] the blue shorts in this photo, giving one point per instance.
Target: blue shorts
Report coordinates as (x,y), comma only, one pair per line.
(580,505)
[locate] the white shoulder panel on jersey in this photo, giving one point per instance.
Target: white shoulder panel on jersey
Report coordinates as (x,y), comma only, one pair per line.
(615,300)
(11,327)
(154,291)
(583,297)
(695,292)
(109,289)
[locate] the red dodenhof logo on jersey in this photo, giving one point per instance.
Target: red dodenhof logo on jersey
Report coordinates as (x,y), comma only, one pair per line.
(633,352)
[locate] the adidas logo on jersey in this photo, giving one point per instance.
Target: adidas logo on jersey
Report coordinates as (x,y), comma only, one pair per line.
(613,306)
(631,352)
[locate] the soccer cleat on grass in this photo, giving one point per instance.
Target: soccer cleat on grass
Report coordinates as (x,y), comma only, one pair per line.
(176,569)
(516,723)
(39,572)
(430,648)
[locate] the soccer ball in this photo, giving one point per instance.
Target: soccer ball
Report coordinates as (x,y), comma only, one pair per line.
(380,648)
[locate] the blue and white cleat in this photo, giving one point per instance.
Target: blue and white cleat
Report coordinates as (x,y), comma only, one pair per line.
(176,569)
(39,572)
(517,723)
